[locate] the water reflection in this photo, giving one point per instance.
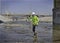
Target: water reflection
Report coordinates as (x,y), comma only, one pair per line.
(25,34)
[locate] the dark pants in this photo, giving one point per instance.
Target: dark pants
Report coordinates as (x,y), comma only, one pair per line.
(34,26)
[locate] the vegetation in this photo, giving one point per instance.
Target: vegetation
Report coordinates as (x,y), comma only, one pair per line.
(56,33)
(56,27)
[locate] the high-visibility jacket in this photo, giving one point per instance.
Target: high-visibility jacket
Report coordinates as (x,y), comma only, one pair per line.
(34,19)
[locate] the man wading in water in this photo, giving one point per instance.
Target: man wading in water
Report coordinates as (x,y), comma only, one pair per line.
(34,20)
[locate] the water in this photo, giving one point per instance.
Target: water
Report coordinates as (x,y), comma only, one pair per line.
(24,34)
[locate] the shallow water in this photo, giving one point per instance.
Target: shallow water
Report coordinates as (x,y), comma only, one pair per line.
(24,34)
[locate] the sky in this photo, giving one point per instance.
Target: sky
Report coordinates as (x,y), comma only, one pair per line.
(26,6)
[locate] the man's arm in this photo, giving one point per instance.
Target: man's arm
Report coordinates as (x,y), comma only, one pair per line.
(37,18)
(29,18)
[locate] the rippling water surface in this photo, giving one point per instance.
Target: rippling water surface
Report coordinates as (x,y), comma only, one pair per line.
(24,33)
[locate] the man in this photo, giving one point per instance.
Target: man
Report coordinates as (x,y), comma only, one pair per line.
(35,20)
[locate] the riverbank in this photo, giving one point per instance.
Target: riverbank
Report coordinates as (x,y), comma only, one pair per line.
(56,34)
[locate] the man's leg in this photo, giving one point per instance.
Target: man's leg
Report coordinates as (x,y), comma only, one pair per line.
(34,29)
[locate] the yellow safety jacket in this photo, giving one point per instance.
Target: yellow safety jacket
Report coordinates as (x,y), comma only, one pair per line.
(34,19)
